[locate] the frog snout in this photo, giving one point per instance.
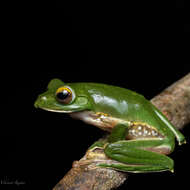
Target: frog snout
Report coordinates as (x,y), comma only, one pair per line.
(40,101)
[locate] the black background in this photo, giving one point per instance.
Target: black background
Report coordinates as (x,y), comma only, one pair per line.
(140,46)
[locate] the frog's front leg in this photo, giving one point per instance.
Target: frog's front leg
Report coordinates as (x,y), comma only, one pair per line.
(131,156)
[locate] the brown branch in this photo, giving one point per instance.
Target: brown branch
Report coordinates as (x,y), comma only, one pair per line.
(174,102)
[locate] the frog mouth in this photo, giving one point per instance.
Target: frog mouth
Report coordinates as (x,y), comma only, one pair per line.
(57,111)
(54,109)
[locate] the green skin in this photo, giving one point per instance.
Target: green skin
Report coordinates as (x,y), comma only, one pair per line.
(139,154)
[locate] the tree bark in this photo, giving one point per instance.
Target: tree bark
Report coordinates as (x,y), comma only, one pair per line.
(174,102)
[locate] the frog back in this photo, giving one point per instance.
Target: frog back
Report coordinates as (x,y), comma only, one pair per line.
(121,103)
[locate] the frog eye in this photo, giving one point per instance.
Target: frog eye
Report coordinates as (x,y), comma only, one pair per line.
(64,95)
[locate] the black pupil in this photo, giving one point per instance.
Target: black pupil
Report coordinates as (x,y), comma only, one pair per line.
(63,95)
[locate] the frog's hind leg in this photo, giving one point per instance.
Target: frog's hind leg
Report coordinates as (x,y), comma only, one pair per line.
(131,156)
(133,168)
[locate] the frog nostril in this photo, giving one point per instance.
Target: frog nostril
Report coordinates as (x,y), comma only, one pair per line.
(40,101)
(44,98)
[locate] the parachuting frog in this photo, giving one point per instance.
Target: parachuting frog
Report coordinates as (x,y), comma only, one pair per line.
(140,135)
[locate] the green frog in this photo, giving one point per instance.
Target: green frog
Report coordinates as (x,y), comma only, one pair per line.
(140,135)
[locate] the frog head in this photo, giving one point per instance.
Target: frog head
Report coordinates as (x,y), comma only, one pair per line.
(64,98)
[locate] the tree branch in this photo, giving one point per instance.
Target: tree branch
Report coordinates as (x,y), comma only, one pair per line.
(174,102)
